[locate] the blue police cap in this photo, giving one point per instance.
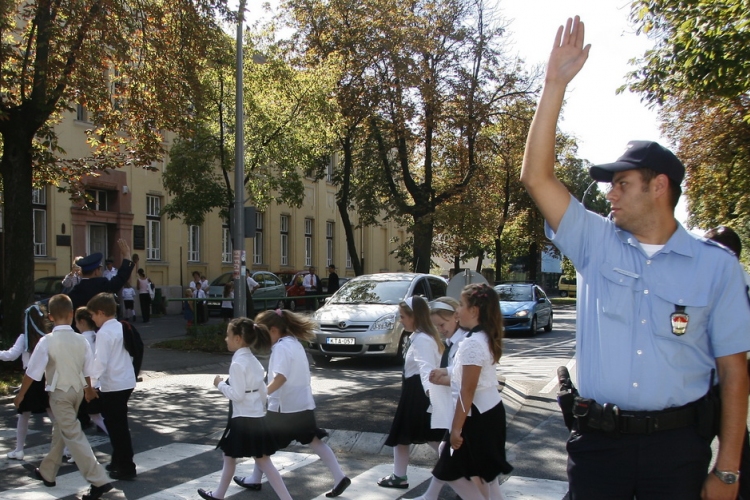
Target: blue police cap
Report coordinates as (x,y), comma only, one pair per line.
(90,262)
(642,154)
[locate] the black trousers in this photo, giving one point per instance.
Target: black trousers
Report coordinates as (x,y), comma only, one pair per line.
(115,413)
(745,469)
(668,465)
(145,300)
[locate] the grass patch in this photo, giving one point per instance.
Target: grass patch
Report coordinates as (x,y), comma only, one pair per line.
(204,338)
(562,301)
(10,377)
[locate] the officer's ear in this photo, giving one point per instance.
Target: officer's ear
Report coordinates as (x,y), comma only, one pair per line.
(660,185)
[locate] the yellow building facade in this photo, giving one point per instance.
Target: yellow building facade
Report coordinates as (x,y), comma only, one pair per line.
(127,203)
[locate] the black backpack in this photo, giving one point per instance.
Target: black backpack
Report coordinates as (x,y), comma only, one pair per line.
(133,343)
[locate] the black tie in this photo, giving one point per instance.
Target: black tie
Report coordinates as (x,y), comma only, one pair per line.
(446,355)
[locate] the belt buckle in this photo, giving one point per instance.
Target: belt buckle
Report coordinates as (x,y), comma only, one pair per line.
(632,424)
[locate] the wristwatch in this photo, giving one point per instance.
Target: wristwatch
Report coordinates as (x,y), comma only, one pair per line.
(727,477)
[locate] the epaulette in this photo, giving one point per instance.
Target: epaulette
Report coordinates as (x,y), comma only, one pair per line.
(711,242)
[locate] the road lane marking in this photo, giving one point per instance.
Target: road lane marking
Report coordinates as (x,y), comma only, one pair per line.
(73,483)
(283,460)
(365,487)
(553,383)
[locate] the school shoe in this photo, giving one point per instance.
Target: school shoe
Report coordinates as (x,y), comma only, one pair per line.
(250,486)
(207,495)
(16,455)
(95,492)
(339,488)
(38,475)
(394,481)
(68,459)
(121,475)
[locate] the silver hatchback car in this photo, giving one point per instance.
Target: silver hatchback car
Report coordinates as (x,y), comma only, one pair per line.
(361,318)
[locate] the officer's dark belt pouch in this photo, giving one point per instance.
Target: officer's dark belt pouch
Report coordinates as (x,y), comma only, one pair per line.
(709,413)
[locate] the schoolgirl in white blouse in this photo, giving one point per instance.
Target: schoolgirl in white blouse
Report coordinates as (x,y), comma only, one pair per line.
(412,422)
(247,434)
(291,415)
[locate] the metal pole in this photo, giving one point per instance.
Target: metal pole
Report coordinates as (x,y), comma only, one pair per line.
(240,308)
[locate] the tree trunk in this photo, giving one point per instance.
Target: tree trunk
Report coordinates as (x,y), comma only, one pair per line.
(423,232)
(533,258)
(480,260)
(18,239)
(342,202)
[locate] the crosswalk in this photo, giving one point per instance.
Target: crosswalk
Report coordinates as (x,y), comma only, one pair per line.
(162,462)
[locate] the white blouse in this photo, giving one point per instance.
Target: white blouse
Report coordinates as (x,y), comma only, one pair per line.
(474,350)
(288,358)
(245,387)
(422,357)
(18,350)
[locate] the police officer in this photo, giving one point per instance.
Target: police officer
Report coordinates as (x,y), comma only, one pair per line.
(92,282)
(658,311)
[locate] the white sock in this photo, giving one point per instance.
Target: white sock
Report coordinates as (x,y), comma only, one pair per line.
(273,476)
(433,490)
(256,477)
(466,489)
(22,428)
(400,459)
(227,472)
(495,493)
(326,455)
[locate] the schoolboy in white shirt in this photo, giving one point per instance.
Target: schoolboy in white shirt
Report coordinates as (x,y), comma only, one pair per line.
(113,369)
(66,359)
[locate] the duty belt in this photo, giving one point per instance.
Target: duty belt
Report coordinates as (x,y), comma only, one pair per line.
(590,415)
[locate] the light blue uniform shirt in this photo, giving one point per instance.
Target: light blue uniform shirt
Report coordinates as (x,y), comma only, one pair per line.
(626,352)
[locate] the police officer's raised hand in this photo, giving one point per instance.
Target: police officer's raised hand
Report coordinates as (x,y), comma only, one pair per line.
(568,53)
(124,248)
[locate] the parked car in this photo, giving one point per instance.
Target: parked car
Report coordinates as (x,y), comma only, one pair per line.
(525,306)
(361,318)
(48,286)
(567,286)
(270,295)
(289,280)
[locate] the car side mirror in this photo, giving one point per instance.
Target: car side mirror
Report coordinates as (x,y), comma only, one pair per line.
(541,300)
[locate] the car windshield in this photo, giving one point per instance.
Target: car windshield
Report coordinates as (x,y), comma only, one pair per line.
(371,292)
(222,280)
(514,293)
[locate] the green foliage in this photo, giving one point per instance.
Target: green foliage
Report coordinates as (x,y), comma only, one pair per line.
(568,271)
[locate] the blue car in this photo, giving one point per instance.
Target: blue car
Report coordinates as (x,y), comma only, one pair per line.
(525,308)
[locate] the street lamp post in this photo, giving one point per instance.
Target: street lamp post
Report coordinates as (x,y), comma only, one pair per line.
(238,252)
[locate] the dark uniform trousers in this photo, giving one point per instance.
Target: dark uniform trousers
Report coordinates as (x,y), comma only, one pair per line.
(664,465)
(115,413)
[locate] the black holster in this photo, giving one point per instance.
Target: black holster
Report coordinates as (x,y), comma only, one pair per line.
(709,413)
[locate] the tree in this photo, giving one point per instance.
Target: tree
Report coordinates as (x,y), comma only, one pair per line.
(111,57)
(702,49)
(286,137)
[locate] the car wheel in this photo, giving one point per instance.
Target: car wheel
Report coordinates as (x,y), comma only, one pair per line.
(280,305)
(292,305)
(548,327)
(321,359)
(534,326)
(563,293)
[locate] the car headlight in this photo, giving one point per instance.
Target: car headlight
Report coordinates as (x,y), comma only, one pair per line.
(384,323)
(522,313)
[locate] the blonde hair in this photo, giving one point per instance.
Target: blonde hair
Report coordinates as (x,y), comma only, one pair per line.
(420,311)
(444,313)
(288,323)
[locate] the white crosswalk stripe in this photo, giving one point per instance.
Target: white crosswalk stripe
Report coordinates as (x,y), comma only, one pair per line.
(362,487)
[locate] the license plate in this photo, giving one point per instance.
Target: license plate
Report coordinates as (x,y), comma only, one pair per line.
(336,340)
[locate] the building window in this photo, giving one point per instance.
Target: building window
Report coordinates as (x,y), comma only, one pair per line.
(329,243)
(308,242)
(284,240)
(96,199)
(226,246)
(39,201)
(153,227)
(82,114)
(329,168)
(194,243)
(348,259)
(258,242)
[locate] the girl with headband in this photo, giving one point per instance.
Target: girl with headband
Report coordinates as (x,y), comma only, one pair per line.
(412,422)
(36,400)
(291,414)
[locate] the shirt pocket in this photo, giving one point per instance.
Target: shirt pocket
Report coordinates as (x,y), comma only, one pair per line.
(668,297)
(617,296)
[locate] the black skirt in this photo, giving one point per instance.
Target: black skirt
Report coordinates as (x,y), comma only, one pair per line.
(411,424)
(299,426)
(247,437)
(482,453)
(36,399)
